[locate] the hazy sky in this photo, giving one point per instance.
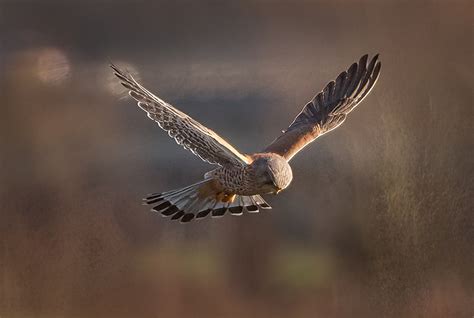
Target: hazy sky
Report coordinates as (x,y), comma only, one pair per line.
(376,222)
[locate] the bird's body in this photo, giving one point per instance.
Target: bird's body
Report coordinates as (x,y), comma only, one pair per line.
(268,173)
(240,180)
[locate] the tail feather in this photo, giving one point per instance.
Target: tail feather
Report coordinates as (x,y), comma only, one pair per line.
(261,202)
(220,209)
(205,212)
(253,207)
(188,203)
(155,197)
(237,207)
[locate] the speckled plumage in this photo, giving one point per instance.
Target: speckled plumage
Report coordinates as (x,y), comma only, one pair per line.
(240,179)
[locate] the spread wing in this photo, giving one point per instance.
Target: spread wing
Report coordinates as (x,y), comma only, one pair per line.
(328,109)
(186,131)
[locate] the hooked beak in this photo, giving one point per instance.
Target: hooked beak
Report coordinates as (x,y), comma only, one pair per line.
(277,188)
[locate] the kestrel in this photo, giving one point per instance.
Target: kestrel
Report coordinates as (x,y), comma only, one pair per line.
(240,179)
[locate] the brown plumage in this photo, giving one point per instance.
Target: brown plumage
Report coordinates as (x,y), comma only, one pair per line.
(329,108)
(237,184)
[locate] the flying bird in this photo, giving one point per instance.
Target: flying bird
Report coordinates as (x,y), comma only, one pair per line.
(239,180)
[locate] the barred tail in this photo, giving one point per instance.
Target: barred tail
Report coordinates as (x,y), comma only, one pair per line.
(199,200)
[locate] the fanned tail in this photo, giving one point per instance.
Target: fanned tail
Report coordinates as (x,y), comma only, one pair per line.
(200,200)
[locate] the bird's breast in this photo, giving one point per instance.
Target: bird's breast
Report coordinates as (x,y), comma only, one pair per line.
(236,180)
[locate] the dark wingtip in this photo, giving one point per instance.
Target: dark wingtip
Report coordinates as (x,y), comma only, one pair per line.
(363,59)
(375,59)
(376,71)
(114,67)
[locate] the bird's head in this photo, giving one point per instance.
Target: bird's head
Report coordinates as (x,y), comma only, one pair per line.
(272,173)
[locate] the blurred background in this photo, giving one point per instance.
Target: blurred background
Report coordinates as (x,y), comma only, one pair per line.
(377,223)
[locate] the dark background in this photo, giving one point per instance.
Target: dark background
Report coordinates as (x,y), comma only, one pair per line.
(377,223)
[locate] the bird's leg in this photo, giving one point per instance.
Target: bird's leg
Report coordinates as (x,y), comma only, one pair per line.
(225,197)
(230,198)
